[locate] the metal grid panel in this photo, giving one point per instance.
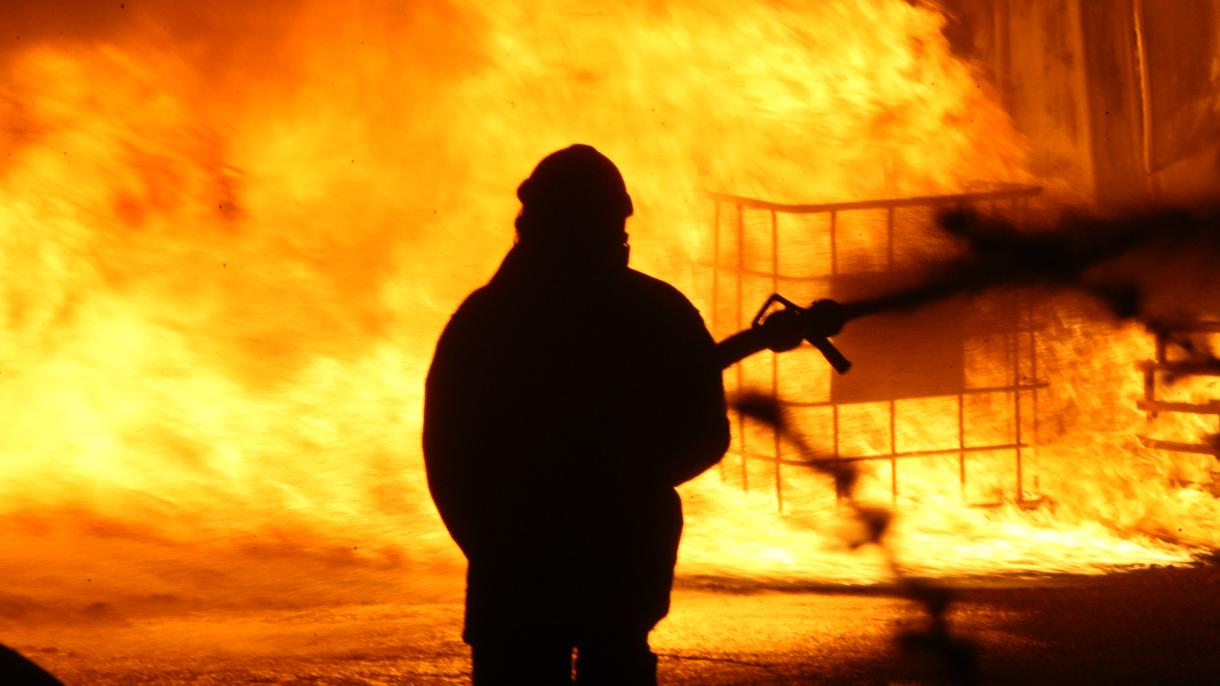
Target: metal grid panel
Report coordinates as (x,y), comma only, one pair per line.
(728,262)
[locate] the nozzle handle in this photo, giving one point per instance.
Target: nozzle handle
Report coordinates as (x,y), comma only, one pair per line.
(831,353)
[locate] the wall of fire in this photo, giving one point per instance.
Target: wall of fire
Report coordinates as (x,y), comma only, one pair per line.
(1119,101)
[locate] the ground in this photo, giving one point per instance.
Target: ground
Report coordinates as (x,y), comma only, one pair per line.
(1145,626)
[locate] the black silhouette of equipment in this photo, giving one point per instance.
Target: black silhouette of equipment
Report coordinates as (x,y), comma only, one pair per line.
(782,325)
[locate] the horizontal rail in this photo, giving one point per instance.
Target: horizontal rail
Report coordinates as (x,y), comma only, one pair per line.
(1179,447)
(965,391)
(812,278)
(1196,327)
(1184,368)
(1211,407)
(906,454)
(1006,192)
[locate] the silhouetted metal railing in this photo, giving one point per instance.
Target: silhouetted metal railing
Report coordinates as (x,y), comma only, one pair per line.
(1162,366)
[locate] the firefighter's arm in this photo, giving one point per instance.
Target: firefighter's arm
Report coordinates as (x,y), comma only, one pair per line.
(695,430)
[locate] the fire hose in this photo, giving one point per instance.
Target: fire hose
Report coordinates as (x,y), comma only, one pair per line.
(782,325)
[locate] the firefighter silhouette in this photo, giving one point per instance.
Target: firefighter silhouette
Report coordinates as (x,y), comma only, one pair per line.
(566,400)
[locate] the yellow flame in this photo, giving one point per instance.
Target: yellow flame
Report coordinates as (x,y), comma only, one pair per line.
(228,254)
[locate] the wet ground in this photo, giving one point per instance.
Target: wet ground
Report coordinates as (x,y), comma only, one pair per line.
(1140,627)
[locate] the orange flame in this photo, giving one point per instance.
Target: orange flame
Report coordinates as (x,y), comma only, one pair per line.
(230,241)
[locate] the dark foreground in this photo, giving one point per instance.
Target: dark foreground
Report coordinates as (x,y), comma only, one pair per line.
(1148,626)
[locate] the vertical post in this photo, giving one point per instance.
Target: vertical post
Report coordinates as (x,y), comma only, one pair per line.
(741,419)
(1016,398)
(716,270)
(779,484)
(889,237)
(1150,388)
(889,262)
(1033,380)
(961,443)
(1150,372)
(893,453)
(716,288)
(834,407)
(1020,209)
(834,243)
(835,445)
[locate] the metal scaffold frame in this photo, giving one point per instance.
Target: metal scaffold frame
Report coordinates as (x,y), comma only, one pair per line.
(1019,338)
(1162,366)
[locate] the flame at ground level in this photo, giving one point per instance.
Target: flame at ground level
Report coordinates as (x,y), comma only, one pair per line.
(225,271)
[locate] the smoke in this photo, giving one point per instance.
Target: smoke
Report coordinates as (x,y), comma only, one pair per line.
(1156,266)
(210,30)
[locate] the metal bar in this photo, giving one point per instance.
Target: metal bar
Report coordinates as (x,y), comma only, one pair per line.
(1210,407)
(740,264)
(741,420)
(1006,191)
(961,442)
(1033,367)
(774,249)
(889,238)
(780,277)
(779,484)
(893,451)
(715,289)
(835,414)
(834,243)
(964,391)
(1150,389)
(907,455)
(1183,368)
(1033,374)
(1197,327)
(1016,401)
(823,278)
(716,293)
(1150,373)
(716,270)
(1180,447)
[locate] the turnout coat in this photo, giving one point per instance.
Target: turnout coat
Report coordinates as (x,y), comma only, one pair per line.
(561,410)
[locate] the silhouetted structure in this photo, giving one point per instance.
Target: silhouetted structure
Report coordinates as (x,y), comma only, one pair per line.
(567,398)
